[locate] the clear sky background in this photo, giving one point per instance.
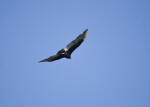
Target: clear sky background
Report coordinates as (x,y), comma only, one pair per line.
(110,69)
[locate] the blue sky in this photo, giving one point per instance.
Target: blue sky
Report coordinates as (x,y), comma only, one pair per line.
(110,69)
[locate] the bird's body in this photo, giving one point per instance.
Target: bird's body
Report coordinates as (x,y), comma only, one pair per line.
(66,52)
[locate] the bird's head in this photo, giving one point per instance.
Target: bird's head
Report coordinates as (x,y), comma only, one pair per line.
(68,56)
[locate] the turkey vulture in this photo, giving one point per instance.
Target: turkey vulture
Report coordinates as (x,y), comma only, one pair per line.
(66,52)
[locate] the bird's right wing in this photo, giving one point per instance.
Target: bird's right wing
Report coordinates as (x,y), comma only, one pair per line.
(52,58)
(77,42)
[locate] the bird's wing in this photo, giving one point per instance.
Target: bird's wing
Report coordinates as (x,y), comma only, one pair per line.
(52,58)
(76,43)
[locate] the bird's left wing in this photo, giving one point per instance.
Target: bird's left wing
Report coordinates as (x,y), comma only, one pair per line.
(52,58)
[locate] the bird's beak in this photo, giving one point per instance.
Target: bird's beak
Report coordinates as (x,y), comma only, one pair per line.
(70,58)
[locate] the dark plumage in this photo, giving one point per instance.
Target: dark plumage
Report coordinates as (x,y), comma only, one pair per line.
(66,52)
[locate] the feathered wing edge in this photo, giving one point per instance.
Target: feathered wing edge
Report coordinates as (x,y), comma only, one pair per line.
(76,43)
(50,59)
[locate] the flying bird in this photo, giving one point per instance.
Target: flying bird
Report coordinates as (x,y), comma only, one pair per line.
(67,51)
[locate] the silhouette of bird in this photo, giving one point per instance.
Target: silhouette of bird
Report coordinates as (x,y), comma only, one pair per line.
(67,51)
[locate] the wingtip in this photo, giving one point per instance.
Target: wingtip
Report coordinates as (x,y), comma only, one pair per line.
(85,34)
(85,31)
(42,61)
